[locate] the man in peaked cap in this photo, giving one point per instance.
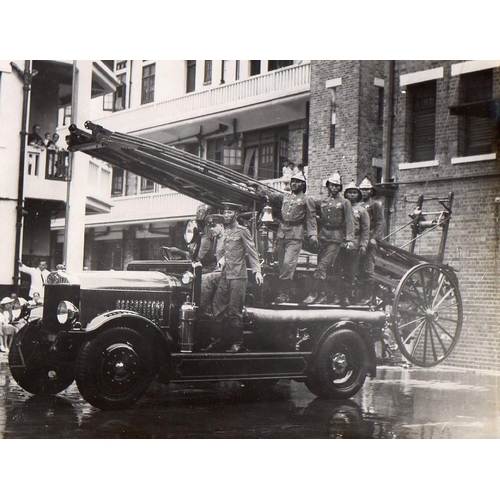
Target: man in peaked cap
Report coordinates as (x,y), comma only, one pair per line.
(377,227)
(298,220)
(337,230)
(229,297)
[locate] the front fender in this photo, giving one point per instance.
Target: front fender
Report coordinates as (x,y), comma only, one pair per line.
(111,316)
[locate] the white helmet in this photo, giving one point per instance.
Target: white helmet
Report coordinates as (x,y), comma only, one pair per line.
(334,179)
(366,184)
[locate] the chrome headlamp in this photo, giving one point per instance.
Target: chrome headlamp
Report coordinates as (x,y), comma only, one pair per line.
(187,277)
(191,231)
(66,312)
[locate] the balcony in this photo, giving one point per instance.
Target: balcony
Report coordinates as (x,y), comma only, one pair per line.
(46,174)
(149,207)
(282,87)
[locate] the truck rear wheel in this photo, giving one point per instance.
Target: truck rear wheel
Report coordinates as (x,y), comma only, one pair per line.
(33,372)
(114,370)
(340,366)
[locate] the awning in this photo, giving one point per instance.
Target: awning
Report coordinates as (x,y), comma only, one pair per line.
(489,108)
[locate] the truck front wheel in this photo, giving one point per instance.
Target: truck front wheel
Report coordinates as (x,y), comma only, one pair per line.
(32,368)
(113,370)
(339,369)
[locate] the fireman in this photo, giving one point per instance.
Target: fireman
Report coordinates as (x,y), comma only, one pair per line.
(229,297)
(298,220)
(337,230)
(351,259)
(377,228)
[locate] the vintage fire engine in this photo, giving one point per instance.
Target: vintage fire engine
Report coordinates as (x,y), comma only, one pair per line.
(116,331)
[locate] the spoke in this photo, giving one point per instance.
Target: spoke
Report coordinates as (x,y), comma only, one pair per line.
(443,298)
(410,335)
(450,320)
(439,338)
(424,290)
(438,291)
(422,301)
(430,286)
(449,306)
(410,322)
(418,339)
(445,331)
(425,340)
(429,327)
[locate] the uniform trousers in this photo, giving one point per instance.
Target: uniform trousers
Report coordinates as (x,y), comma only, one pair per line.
(288,255)
(228,305)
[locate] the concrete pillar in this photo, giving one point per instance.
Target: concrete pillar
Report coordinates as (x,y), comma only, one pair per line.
(75,209)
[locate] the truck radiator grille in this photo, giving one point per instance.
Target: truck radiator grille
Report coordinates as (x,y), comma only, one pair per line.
(151,309)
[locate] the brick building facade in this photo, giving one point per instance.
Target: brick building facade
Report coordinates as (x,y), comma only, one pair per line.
(438,134)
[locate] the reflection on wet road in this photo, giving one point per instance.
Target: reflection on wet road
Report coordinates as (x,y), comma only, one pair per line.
(399,403)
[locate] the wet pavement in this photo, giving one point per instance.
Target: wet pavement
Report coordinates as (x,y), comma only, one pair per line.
(401,403)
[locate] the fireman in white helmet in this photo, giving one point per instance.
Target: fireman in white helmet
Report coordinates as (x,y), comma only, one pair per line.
(350,260)
(298,221)
(377,227)
(337,230)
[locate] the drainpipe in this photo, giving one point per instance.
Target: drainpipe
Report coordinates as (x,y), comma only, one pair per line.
(27,78)
(386,174)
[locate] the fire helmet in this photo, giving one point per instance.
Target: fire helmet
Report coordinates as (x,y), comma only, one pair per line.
(366,184)
(352,187)
(202,211)
(334,179)
(299,176)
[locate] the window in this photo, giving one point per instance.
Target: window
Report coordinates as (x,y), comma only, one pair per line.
(117,182)
(273,65)
(380,106)
(148,84)
(423,121)
(147,186)
(191,76)
(477,131)
(120,93)
(121,65)
(225,151)
(265,151)
(237,71)
(207,78)
(254,68)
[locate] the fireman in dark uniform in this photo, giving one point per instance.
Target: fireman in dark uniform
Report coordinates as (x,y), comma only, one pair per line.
(210,279)
(337,230)
(351,259)
(298,220)
(377,227)
(230,294)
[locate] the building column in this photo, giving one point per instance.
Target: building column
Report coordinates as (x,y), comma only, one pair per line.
(74,239)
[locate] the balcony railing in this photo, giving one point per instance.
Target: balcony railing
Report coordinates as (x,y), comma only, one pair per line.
(46,173)
(285,82)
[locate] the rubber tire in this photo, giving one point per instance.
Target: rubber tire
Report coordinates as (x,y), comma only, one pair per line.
(321,378)
(98,385)
(37,377)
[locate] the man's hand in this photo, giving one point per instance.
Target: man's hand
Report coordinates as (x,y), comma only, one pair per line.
(349,245)
(259,279)
(362,251)
(373,242)
(252,184)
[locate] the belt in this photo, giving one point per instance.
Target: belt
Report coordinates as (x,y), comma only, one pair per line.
(331,226)
(292,223)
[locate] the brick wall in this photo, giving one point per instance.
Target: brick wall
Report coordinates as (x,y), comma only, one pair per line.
(473,242)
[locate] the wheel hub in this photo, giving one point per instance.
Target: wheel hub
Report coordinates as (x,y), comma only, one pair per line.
(339,363)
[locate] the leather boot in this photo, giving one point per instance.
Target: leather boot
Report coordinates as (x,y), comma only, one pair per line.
(214,345)
(313,294)
(367,294)
(237,346)
(283,291)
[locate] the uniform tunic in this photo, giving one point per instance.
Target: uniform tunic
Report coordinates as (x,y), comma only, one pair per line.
(298,219)
(230,294)
(337,228)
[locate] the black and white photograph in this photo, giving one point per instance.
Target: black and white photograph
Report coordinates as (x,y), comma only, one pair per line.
(249,250)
